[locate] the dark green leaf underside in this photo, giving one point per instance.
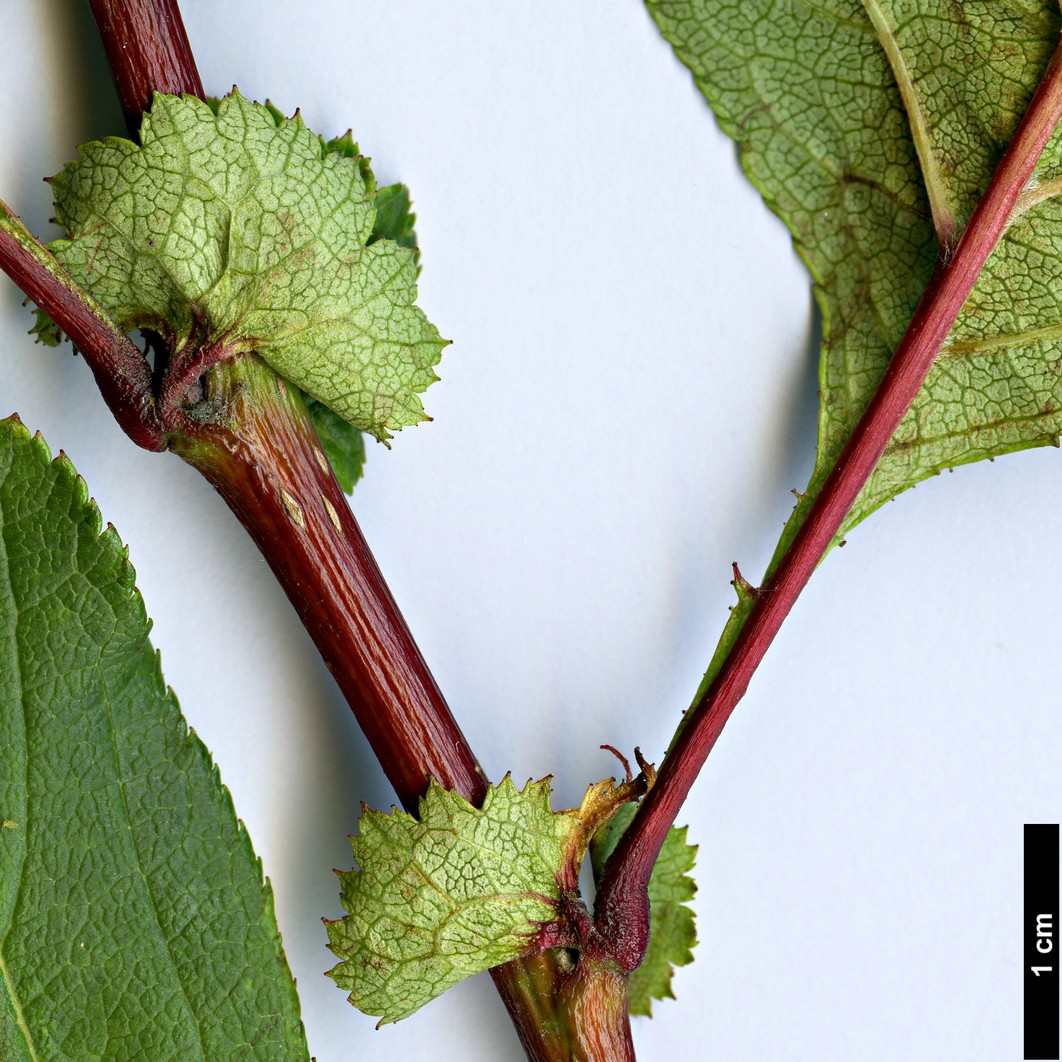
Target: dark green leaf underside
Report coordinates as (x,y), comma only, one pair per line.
(134,921)
(343,444)
(395,219)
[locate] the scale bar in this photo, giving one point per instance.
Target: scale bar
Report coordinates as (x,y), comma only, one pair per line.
(1041,942)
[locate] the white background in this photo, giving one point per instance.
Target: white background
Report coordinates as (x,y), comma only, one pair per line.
(629,398)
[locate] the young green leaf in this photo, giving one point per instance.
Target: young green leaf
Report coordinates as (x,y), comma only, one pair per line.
(439,898)
(871,129)
(230,229)
(461,889)
(46,331)
(672,934)
(134,921)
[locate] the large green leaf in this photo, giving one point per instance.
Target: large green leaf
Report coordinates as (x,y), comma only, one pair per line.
(134,921)
(872,129)
(231,229)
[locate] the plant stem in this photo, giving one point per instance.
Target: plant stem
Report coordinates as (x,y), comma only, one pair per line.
(265,461)
(596,1007)
(621,903)
(579,1014)
(148,52)
(121,371)
(269,467)
(263,457)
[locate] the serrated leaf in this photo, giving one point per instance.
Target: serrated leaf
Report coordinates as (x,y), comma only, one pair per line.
(46,331)
(134,921)
(445,896)
(233,228)
(871,130)
(395,219)
(461,889)
(672,933)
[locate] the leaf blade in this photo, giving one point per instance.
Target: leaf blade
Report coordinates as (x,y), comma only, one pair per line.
(343,444)
(845,114)
(823,117)
(133,875)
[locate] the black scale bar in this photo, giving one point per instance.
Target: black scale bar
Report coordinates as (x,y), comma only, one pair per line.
(1041,930)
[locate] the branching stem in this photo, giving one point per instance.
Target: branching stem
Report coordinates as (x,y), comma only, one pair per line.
(255,443)
(326,566)
(621,905)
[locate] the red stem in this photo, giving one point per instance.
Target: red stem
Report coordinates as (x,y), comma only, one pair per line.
(148,51)
(621,905)
(121,371)
(328,572)
(266,462)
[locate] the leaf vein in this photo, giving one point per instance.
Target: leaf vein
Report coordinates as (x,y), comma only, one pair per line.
(943,218)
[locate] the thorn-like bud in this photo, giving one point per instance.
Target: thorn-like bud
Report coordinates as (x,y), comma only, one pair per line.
(742,585)
(648,770)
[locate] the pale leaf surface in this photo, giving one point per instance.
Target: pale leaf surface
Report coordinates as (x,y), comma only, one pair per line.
(863,125)
(233,227)
(871,130)
(446,895)
(343,444)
